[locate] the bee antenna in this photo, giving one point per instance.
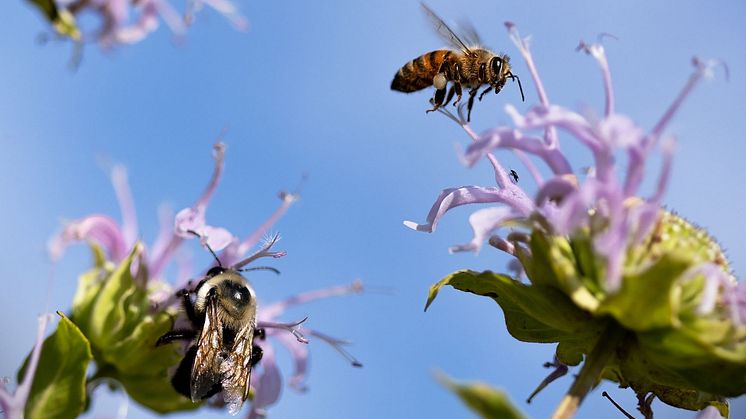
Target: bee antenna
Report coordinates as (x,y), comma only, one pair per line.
(207,246)
(514,77)
(260,268)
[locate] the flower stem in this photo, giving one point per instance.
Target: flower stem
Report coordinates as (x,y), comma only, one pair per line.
(594,364)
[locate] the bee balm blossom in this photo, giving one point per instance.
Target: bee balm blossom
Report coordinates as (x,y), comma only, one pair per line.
(645,297)
(129,21)
(123,305)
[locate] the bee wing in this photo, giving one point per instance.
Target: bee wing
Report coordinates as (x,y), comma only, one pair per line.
(469,33)
(444,31)
(206,375)
(236,369)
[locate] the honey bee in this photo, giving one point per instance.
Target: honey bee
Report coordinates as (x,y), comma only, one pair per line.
(465,66)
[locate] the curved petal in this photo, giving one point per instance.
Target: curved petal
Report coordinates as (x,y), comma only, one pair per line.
(483,223)
(299,353)
(98,228)
(287,200)
(126,204)
(509,138)
(271,311)
(556,189)
(453,197)
(268,385)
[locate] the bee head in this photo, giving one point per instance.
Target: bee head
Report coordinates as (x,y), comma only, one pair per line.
(229,289)
(500,73)
(499,70)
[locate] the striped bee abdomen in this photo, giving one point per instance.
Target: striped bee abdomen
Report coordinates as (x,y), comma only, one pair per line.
(418,73)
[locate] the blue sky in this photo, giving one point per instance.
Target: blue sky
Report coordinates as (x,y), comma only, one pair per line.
(306,90)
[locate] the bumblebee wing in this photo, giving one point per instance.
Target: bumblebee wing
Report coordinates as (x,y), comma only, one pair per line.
(236,370)
(444,31)
(206,375)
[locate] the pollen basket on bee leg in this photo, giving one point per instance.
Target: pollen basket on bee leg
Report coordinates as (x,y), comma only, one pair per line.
(439,81)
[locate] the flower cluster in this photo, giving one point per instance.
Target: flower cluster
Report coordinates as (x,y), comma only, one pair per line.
(613,276)
(123,304)
(128,21)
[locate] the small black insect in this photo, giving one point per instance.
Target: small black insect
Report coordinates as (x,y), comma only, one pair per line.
(513,176)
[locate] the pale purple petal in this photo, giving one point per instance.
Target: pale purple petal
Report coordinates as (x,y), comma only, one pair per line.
(709,412)
(556,189)
(701,69)
(735,297)
(189,222)
(338,345)
(273,310)
(501,244)
(292,328)
(557,116)
(173,19)
(230,12)
(268,385)
(216,238)
(165,231)
(146,23)
(97,228)
(299,354)
(13,405)
(597,52)
(550,133)
(287,200)
(264,251)
(454,197)
(219,156)
(509,138)
(126,204)
(619,131)
(538,178)
(715,280)
(483,223)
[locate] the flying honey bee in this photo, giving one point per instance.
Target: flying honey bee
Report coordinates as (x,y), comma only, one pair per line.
(466,66)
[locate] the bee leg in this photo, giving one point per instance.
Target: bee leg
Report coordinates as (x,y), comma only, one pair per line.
(182,334)
(472,94)
(256,355)
(189,307)
(487,90)
(183,375)
(451,91)
(457,88)
(437,100)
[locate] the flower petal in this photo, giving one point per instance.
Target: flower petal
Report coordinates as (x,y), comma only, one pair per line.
(454,197)
(483,223)
(97,228)
(268,385)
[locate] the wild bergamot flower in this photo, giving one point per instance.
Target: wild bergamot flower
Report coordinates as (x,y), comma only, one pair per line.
(643,295)
(124,304)
(127,21)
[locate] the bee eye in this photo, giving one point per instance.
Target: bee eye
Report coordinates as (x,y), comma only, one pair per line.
(496,65)
(483,72)
(241,295)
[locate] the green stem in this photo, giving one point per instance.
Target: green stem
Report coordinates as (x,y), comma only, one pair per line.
(594,364)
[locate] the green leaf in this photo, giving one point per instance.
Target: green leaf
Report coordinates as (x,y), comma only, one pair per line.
(533,313)
(644,301)
(486,401)
(58,389)
(113,311)
(553,263)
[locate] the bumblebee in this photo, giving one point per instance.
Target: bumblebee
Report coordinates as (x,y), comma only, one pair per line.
(464,66)
(223,350)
